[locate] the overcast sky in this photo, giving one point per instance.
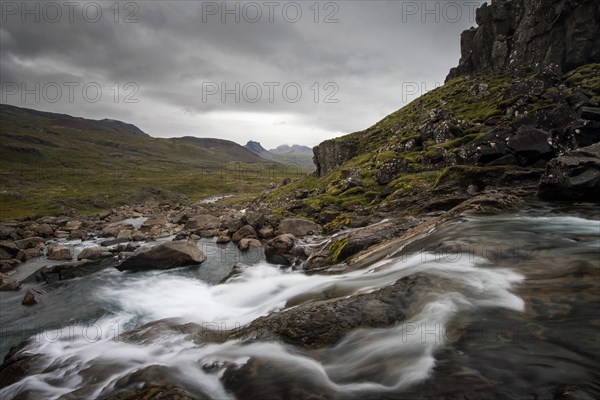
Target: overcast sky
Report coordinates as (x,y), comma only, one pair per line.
(284,72)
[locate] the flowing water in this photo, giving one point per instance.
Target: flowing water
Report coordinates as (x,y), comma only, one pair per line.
(514,313)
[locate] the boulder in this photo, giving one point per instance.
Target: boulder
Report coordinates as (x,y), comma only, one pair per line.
(284,250)
(247,244)
(298,227)
(8,283)
(73,225)
(164,256)
(531,145)
(203,222)
(246,231)
(32,296)
(58,252)
(93,253)
(574,176)
(113,229)
(66,271)
(44,230)
(266,232)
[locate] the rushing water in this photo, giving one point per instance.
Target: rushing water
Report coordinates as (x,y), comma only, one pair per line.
(515,312)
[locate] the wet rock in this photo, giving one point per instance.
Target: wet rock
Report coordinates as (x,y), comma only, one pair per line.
(247,244)
(246,231)
(223,239)
(203,222)
(237,270)
(8,283)
(58,252)
(94,253)
(325,322)
(166,392)
(32,297)
(284,250)
(574,176)
(29,243)
(113,229)
(66,271)
(44,230)
(298,227)
(164,256)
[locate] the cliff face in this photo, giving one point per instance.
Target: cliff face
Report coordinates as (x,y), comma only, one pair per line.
(541,35)
(332,153)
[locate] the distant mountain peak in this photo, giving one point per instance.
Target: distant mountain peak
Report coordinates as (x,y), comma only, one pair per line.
(295,148)
(255,147)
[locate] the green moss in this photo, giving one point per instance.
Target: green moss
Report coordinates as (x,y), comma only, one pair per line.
(336,247)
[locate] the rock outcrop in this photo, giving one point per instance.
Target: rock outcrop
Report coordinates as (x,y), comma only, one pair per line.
(574,176)
(541,35)
(330,154)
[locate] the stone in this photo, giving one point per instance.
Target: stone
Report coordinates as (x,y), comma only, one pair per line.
(32,296)
(113,229)
(8,283)
(298,227)
(247,244)
(73,225)
(58,252)
(203,222)
(246,231)
(44,230)
(284,250)
(29,243)
(530,144)
(223,239)
(266,232)
(164,256)
(91,253)
(574,176)
(330,154)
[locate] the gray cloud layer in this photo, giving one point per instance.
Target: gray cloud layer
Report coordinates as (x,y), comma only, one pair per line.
(179,52)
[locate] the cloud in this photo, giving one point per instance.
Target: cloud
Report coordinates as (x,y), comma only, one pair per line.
(192,74)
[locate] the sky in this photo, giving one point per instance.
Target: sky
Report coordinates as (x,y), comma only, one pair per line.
(275,72)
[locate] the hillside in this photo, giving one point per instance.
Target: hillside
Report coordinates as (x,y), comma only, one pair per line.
(494,124)
(55,161)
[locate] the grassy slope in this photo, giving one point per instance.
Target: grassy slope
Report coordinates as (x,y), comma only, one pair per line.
(381,141)
(49,161)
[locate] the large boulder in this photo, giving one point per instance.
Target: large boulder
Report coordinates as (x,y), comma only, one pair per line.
(32,296)
(284,250)
(573,176)
(298,227)
(164,256)
(203,222)
(247,244)
(29,243)
(531,145)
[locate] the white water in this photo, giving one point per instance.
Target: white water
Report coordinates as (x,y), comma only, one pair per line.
(407,349)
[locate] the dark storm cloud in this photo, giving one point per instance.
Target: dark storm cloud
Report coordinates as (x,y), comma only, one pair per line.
(369,61)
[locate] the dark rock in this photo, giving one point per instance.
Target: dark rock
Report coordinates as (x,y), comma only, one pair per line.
(32,297)
(166,392)
(516,35)
(237,270)
(298,227)
(93,253)
(266,232)
(590,113)
(71,270)
(574,176)
(323,323)
(531,145)
(246,231)
(283,250)
(8,283)
(164,256)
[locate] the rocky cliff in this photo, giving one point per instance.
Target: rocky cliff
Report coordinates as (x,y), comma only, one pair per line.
(535,35)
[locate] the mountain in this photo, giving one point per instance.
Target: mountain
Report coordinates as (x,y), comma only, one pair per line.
(256,148)
(296,156)
(526,91)
(53,160)
(296,149)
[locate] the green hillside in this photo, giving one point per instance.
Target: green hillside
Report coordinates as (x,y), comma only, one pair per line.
(50,162)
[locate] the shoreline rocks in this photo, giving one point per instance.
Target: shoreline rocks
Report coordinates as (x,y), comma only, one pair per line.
(164,256)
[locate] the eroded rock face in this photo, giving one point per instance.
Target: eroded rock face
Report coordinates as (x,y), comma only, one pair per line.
(164,256)
(284,250)
(550,35)
(574,176)
(332,153)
